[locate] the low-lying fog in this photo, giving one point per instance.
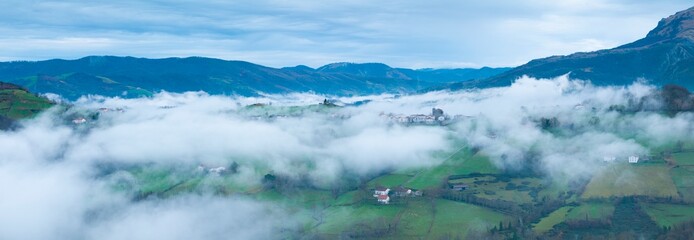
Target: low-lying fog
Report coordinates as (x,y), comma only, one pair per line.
(52,186)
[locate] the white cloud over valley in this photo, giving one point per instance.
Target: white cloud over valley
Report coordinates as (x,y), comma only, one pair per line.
(54,185)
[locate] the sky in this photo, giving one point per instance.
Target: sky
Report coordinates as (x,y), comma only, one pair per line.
(279,33)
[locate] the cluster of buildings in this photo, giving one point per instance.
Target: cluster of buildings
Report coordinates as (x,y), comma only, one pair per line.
(630,159)
(93,115)
(458,186)
(382,194)
(437,117)
(79,120)
(105,110)
(216,171)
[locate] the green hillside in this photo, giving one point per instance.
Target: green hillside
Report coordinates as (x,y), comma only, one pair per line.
(16,103)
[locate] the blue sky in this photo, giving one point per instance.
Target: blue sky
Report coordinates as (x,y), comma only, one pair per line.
(277,33)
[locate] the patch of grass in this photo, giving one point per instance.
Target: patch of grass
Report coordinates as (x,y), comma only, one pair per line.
(508,195)
(551,220)
(684,158)
(390,180)
(18,104)
(457,219)
(347,198)
(591,211)
(138,92)
(188,185)
(477,163)
(429,178)
(684,180)
(415,220)
(269,195)
(156,181)
(306,198)
(460,163)
(631,180)
(337,219)
(489,187)
(668,214)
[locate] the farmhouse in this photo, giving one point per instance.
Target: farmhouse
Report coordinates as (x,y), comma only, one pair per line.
(79,120)
(402,192)
(217,171)
(384,199)
(381,194)
(459,187)
(633,159)
(381,191)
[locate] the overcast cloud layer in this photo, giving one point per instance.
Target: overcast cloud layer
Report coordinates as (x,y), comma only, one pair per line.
(279,33)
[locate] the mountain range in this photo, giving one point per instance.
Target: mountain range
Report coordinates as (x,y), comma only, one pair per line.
(133,77)
(664,56)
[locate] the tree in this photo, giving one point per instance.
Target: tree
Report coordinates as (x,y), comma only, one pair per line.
(676,98)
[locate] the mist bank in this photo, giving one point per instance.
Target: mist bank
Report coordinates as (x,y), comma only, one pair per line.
(52,166)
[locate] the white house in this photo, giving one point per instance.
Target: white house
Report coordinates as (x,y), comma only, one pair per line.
(402,192)
(201,168)
(430,120)
(381,191)
(79,120)
(633,159)
(217,170)
(384,199)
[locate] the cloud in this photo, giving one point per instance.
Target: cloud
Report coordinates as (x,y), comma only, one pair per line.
(193,218)
(54,183)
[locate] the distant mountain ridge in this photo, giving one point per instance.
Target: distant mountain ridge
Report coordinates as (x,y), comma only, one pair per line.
(132,77)
(664,56)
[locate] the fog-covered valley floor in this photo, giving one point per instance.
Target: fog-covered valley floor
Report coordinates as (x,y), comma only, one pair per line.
(196,166)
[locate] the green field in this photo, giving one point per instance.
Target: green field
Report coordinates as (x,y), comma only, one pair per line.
(591,211)
(631,180)
(390,180)
(684,180)
(457,219)
(552,219)
(668,214)
(684,158)
(460,163)
(156,181)
(489,187)
(415,220)
(585,211)
(478,163)
(18,104)
(418,219)
(347,198)
(337,219)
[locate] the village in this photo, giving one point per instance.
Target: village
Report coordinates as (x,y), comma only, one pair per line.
(437,117)
(79,118)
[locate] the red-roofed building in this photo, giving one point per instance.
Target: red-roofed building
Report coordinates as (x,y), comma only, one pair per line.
(383,199)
